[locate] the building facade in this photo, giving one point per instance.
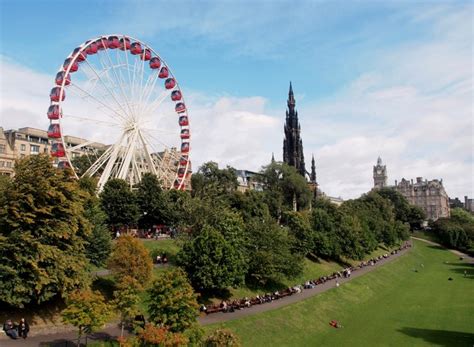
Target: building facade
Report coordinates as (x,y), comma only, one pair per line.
(428,195)
(17,144)
(293,144)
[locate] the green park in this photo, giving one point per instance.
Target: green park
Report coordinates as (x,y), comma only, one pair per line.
(73,261)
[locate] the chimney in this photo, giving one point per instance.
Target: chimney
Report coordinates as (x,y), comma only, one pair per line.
(412,181)
(396,183)
(419,179)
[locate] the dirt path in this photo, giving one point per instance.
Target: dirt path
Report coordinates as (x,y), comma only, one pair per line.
(112,331)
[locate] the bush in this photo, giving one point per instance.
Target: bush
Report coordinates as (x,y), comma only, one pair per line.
(222,338)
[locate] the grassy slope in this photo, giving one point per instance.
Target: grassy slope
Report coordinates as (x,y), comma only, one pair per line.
(391,306)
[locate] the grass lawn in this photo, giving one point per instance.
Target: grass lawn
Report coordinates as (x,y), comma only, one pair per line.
(391,306)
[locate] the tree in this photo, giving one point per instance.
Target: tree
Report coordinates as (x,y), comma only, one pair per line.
(151,201)
(222,337)
(456,231)
(269,249)
(284,186)
(211,261)
(153,336)
(299,226)
(82,163)
(126,299)
(172,302)
(86,310)
(42,234)
(119,203)
(212,182)
(130,258)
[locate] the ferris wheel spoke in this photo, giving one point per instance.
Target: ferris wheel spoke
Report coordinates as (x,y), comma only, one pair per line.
(92,97)
(148,89)
(119,82)
(157,102)
(97,121)
(110,92)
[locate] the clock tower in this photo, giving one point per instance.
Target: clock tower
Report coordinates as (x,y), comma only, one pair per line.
(380,174)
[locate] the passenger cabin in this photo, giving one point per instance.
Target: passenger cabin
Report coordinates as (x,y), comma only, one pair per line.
(54,112)
(54,131)
(56,93)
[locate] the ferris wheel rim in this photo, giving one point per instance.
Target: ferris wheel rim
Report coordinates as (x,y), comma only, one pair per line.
(74,58)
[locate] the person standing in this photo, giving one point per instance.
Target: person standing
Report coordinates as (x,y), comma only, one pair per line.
(23,328)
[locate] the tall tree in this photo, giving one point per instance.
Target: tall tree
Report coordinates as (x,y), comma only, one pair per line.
(151,201)
(99,241)
(211,261)
(42,234)
(126,299)
(130,258)
(212,182)
(172,302)
(119,203)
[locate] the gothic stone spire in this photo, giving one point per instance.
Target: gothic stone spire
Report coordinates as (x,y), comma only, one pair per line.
(313,171)
(292,144)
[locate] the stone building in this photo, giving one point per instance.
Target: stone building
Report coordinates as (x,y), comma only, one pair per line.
(17,144)
(468,204)
(429,195)
(380,174)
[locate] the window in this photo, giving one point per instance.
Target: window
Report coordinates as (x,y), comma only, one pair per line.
(2,163)
(34,149)
(2,148)
(23,147)
(9,164)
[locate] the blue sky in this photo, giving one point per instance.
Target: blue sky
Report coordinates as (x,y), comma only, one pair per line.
(366,74)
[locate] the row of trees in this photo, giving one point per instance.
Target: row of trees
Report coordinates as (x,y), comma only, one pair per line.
(456,231)
(256,237)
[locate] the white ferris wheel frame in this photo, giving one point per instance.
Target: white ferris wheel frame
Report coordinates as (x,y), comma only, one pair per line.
(127,147)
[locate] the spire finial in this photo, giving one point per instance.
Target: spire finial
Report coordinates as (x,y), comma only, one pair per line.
(291,98)
(273,158)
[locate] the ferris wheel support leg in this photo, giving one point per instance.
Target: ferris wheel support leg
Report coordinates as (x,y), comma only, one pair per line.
(110,164)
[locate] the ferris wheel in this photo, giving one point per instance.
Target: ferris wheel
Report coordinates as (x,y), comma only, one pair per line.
(117,90)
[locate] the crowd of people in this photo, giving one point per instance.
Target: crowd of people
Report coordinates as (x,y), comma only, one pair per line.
(231,306)
(15,331)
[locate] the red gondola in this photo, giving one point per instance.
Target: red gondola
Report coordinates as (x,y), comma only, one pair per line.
(113,42)
(185,147)
(54,131)
(176,184)
(80,56)
(68,62)
(185,134)
(136,48)
(164,73)
(181,172)
(180,107)
(64,164)
(183,162)
(60,78)
(92,48)
(102,44)
(176,95)
(54,112)
(57,150)
(55,93)
(155,63)
(146,55)
(126,45)
(170,83)
(183,120)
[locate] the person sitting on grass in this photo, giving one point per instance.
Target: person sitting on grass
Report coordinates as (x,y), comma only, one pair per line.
(10,329)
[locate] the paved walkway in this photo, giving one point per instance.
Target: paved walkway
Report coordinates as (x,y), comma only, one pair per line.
(64,339)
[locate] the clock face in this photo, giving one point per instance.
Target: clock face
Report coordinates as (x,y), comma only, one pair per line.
(379,171)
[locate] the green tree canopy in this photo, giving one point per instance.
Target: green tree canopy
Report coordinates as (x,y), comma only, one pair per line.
(212,182)
(86,310)
(211,261)
(130,258)
(152,203)
(119,203)
(42,234)
(172,302)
